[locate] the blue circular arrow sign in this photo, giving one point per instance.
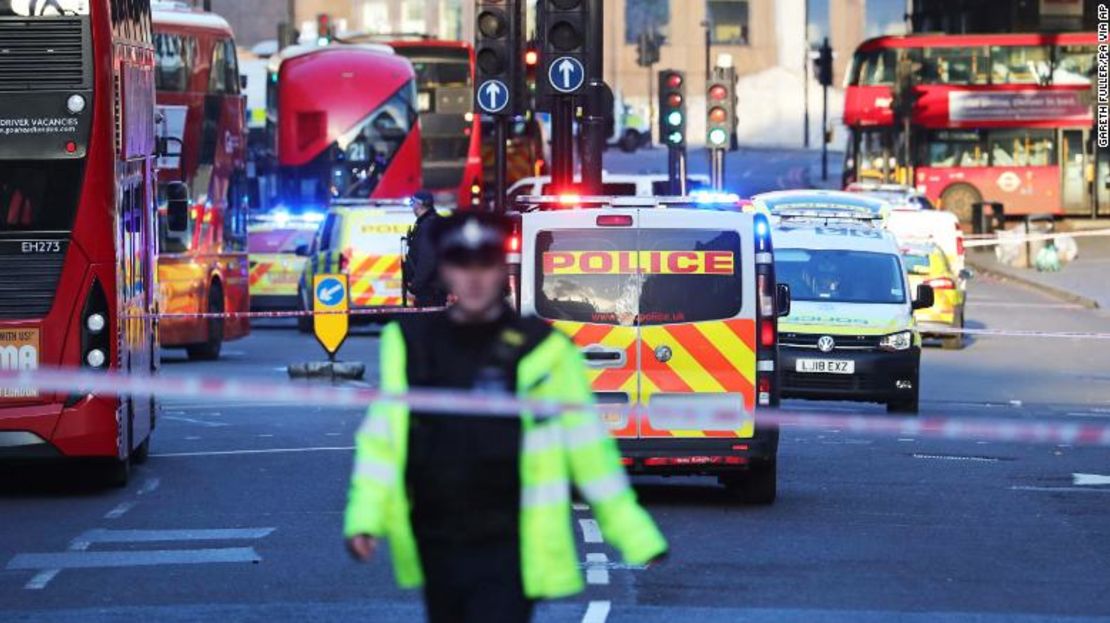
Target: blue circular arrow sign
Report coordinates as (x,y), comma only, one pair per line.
(330,291)
(493,96)
(566,74)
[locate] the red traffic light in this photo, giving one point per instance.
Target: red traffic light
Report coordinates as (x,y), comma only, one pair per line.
(674,81)
(674,100)
(718,93)
(531,57)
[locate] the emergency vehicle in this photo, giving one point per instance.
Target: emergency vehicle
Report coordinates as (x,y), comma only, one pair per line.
(275,268)
(851,332)
(673,304)
(366,241)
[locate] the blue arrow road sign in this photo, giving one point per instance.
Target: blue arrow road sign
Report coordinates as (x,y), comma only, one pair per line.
(493,96)
(330,291)
(566,74)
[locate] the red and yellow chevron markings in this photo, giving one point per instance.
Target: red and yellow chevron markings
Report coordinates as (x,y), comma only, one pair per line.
(373,268)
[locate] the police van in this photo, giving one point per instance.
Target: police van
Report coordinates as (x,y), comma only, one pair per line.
(674,305)
(851,333)
(364,239)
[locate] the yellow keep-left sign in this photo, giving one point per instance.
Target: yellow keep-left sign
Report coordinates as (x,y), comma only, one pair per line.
(329,295)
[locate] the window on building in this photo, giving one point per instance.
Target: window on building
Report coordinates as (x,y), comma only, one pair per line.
(645,16)
(1021,64)
(728,21)
(966,65)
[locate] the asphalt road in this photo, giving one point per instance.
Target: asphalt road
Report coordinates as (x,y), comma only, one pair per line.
(237,515)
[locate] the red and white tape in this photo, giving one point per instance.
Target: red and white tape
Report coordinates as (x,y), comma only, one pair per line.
(380,311)
(991,240)
(69,381)
(1059,335)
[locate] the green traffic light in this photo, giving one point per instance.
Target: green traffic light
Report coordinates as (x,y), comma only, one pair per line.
(674,118)
(675,138)
(718,136)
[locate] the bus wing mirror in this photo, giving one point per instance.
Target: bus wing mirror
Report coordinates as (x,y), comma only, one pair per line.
(782,300)
(243,82)
(177,208)
(925,297)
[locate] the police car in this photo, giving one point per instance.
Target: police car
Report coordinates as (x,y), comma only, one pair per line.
(673,304)
(275,268)
(851,333)
(364,239)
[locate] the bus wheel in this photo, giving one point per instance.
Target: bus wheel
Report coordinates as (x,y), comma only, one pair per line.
(759,485)
(958,200)
(210,349)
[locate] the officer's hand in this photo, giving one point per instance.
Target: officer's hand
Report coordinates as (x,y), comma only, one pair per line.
(361,547)
(658,560)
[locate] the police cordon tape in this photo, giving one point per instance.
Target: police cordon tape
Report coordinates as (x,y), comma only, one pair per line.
(381,311)
(705,417)
(992,240)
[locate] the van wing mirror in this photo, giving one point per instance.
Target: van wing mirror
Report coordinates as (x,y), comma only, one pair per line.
(302,250)
(177,208)
(782,300)
(925,297)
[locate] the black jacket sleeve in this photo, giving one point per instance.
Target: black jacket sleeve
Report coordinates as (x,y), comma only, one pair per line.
(423,258)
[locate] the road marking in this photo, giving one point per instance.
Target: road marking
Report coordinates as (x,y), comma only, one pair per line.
(974,303)
(154,536)
(101,560)
(149,486)
(332,434)
(597,612)
(265,435)
(906,439)
(192,438)
(41,579)
(579,506)
(952,457)
(1058,489)
(597,569)
(1081,480)
(189,420)
(120,510)
(174,455)
(591,532)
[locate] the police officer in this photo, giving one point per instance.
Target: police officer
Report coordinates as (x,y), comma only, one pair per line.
(420,264)
(477,509)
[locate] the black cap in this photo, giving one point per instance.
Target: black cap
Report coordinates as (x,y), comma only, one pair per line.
(424,198)
(471,238)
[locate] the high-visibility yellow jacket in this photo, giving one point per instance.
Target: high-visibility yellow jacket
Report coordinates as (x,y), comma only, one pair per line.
(555,452)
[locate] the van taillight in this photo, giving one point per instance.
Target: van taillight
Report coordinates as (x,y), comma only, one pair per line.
(767,332)
(959,245)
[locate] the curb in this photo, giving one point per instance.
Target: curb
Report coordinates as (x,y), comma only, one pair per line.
(1057,293)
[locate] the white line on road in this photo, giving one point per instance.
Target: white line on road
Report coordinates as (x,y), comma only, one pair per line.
(189,420)
(120,510)
(1058,489)
(1090,480)
(99,560)
(597,569)
(579,506)
(172,455)
(950,457)
(154,536)
(597,612)
(591,532)
(149,486)
(974,303)
(41,579)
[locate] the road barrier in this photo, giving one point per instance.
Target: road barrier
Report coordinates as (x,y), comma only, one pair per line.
(69,381)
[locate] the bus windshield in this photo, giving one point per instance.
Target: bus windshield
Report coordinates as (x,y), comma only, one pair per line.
(39,195)
(51,8)
(836,276)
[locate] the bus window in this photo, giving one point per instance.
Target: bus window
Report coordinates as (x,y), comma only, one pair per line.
(955,66)
(1022,148)
(1075,64)
(874,151)
(1021,64)
(955,149)
(876,67)
(175,58)
(224,77)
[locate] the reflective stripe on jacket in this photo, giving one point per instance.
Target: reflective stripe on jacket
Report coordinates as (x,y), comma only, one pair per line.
(573,448)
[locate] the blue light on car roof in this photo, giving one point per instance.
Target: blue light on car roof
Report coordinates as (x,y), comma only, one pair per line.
(712,197)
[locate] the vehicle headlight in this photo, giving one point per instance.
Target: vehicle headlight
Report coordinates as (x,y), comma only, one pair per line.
(75,104)
(897,341)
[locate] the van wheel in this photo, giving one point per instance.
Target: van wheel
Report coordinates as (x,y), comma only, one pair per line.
(304,323)
(958,199)
(954,342)
(630,142)
(210,349)
(140,455)
(759,485)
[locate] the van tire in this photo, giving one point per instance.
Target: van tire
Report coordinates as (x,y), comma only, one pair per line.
(757,486)
(209,350)
(954,342)
(141,454)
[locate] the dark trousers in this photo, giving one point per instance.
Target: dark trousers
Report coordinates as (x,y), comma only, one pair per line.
(474,583)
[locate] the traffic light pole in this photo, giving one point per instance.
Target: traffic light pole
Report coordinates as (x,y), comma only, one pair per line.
(717,168)
(593,122)
(500,162)
(562,142)
(825,134)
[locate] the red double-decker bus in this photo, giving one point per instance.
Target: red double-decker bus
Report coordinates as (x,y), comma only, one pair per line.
(77,233)
(203,110)
(1003,118)
(451,130)
(343,124)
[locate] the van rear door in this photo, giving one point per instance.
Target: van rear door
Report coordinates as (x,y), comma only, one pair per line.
(373,242)
(697,320)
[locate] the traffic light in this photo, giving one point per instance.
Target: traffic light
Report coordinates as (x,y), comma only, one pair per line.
(499,49)
(823,64)
(720,104)
(563,27)
(647,49)
(672,108)
(325,30)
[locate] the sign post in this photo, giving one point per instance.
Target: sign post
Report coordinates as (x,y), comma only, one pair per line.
(329,294)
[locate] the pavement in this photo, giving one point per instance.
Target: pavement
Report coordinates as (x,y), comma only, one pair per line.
(237,515)
(1083,281)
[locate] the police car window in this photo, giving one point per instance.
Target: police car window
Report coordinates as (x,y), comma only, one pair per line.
(839,276)
(689,275)
(587,276)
